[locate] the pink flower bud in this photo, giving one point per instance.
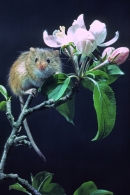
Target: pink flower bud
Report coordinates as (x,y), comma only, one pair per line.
(107,52)
(119,55)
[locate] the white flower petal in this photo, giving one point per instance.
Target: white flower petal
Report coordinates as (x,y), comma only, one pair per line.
(99,31)
(71,32)
(80,46)
(85,47)
(84,41)
(83,34)
(111,41)
(80,21)
(51,40)
(45,34)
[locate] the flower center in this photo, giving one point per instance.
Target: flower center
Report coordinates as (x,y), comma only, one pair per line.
(60,33)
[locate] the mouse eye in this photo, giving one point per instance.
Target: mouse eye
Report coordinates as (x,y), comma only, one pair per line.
(36,59)
(48,60)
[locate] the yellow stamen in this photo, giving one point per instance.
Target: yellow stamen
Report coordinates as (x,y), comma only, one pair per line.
(60,33)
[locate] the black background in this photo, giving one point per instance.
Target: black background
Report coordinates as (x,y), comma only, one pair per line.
(70,153)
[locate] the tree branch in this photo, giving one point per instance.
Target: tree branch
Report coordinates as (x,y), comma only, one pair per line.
(15,140)
(23,182)
(9,112)
(52,103)
(21,140)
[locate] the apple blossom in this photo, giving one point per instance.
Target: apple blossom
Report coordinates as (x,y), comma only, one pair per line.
(98,29)
(119,55)
(84,40)
(59,38)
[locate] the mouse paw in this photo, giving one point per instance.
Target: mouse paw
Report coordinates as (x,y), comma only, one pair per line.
(32,91)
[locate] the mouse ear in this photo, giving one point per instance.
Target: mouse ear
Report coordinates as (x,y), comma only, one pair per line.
(56,52)
(32,49)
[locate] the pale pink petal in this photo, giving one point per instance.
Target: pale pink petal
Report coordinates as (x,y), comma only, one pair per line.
(111,41)
(83,34)
(80,21)
(80,46)
(71,32)
(85,47)
(84,41)
(99,31)
(51,40)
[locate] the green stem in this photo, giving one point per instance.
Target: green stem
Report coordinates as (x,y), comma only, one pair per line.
(82,67)
(106,62)
(87,65)
(74,60)
(74,76)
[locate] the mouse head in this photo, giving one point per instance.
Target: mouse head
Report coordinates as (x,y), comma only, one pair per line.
(43,58)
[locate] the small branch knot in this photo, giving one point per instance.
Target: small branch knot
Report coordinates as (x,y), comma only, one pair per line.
(21,140)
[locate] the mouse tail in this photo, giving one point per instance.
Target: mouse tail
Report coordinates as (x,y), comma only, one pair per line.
(25,123)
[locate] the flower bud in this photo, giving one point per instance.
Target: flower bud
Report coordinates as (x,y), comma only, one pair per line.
(107,52)
(119,55)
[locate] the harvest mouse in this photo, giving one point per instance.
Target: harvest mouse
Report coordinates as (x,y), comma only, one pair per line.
(28,72)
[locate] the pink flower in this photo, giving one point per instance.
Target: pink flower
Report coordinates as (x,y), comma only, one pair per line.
(119,55)
(85,40)
(59,38)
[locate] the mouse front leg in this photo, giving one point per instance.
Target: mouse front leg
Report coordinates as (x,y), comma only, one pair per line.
(32,91)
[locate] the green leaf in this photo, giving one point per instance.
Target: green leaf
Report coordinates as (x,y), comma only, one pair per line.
(113,72)
(41,182)
(63,88)
(41,179)
(99,75)
(86,188)
(52,82)
(53,189)
(101,192)
(58,92)
(68,108)
(3,91)
(57,86)
(3,106)
(87,83)
(105,106)
(18,187)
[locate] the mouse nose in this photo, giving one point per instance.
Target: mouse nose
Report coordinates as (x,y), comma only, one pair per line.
(42,66)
